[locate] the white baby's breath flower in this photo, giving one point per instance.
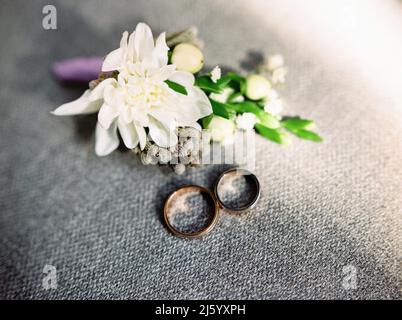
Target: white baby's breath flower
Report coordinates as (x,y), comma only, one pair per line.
(279,75)
(221,129)
(216,74)
(274,62)
(140,98)
(223,97)
(246,121)
(273,103)
(272,95)
(274,107)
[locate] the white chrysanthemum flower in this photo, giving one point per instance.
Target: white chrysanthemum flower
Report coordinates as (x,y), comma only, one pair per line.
(216,74)
(246,121)
(140,98)
(273,104)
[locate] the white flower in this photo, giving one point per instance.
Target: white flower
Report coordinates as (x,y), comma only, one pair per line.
(246,121)
(274,62)
(221,129)
(258,87)
(237,99)
(216,74)
(223,96)
(279,75)
(274,107)
(272,95)
(140,98)
(273,103)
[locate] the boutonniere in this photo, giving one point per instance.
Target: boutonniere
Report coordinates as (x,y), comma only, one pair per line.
(152,91)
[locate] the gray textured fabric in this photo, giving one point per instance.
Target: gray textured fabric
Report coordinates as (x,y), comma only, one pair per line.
(98,220)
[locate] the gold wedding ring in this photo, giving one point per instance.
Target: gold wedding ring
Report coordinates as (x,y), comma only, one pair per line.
(215,199)
(185,190)
(233,173)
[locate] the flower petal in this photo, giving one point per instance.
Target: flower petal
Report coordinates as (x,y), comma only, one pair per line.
(202,102)
(192,107)
(131,54)
(128,134)
(113,60)
(142,136)
(141,117)
(123,41)
(97,92)
(125,114)
(182,122)
(166,118)
(161,50)
(113,96)
(188,118)
(163,137)
(143,41)
(106,140)
(107,115)
(182,77)
(164,73)
(82,105)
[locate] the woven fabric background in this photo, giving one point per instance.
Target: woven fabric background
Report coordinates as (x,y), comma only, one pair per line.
(98,220)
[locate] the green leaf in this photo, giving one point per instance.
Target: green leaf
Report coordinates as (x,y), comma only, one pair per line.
(299,127)
(297,123)
(232,79)
(237,82)
(206,84)
(235,77)
(206,120)
(243,87)
(223,82)
(222,109)
(276,135)
(306,134)
(176,87)
(267,119)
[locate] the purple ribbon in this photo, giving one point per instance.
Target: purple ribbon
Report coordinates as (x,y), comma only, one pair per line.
(81,70)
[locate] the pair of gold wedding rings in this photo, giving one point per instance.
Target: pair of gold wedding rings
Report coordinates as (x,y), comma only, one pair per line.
(215,200)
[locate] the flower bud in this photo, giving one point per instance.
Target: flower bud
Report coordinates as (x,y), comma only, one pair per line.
(221,129)
(258,87)
(187,57)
